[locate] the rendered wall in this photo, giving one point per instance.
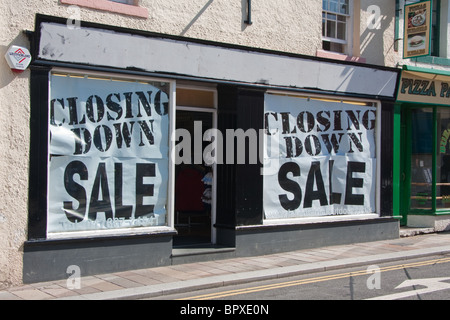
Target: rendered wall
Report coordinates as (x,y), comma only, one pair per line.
(377,33)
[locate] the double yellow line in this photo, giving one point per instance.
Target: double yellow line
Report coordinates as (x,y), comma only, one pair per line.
(229,293)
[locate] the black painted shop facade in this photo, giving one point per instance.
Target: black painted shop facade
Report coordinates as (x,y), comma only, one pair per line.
(111,116)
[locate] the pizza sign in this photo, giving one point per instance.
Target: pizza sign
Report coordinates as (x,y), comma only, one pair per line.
(417,29)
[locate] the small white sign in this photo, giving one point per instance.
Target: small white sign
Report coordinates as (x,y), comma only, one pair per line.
(18,58)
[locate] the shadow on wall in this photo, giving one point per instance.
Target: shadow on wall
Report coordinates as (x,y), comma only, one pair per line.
(372,45)
(244,13)
(197,16)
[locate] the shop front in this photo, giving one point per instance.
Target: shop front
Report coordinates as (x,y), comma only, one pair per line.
(423,122)
(150,150)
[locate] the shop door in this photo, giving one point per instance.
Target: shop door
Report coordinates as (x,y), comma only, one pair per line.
(194,188)
(426,161)
(419,160)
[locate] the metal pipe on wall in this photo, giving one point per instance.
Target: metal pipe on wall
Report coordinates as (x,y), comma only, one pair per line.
(249,12)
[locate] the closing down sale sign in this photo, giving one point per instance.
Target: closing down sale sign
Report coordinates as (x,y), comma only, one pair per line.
(108,164)
(320,158)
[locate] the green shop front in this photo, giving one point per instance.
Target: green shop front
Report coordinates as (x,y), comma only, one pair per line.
(422,149)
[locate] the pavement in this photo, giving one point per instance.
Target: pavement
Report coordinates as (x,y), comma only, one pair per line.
(163,281)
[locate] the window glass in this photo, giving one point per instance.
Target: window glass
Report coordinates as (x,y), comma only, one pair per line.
(319,157)
(331,28)
(443,159)
(341,31)
(195,98)
(124,1)
(337,6)
(108,153)
(421,158)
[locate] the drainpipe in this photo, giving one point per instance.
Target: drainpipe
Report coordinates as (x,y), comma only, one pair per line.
(249,12)
(398,11)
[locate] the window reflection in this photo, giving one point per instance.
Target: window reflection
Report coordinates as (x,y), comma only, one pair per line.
(443,159)
(421,158)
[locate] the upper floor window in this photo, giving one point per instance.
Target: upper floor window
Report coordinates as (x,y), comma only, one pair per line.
(335,23)
(127,7)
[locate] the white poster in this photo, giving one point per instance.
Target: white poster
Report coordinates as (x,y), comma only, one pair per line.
(320,158)
(106,118)
(108,144)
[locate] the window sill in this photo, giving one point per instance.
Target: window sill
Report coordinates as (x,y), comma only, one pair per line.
(302,222)
(112,233)
(338,56)
(106,5)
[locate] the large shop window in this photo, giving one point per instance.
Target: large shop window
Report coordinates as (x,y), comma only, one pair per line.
(320,157)
(430,159)
(108,164)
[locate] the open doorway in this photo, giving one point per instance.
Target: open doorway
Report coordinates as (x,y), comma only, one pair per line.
(194,183)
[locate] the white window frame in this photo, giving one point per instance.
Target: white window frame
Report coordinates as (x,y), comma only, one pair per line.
(348,42)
